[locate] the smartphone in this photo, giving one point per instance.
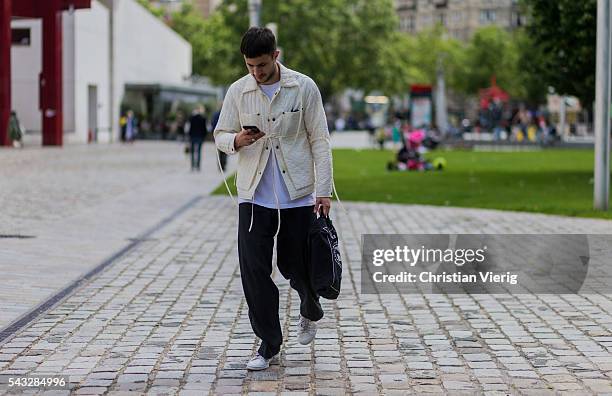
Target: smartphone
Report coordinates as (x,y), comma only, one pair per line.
(252,129)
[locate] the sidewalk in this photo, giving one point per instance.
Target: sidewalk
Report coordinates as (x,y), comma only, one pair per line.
(80,204)
(168,315)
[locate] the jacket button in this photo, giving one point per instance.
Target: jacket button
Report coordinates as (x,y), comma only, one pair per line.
(277,147)
(268,120)
(283,171)
(273,119)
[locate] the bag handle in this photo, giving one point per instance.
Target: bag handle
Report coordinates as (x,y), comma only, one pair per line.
(326,217)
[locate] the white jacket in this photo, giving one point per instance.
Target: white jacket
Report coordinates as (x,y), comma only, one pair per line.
(295,126)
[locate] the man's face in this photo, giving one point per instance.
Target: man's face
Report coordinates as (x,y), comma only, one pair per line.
(262,67)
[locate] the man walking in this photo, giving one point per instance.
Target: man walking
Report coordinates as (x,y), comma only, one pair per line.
(274,119)
(197,133)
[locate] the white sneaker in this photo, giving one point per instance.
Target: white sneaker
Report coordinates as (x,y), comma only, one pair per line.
(307,329)
(258,362)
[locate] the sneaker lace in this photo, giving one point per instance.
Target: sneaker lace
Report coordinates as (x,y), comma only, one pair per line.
(304,324)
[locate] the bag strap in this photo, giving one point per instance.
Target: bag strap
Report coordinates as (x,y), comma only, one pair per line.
(321,214)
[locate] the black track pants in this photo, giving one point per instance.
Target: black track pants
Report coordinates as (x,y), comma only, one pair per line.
(255,255)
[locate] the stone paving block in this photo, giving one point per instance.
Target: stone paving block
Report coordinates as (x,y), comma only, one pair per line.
(449,362)
(165,382)
(598,386)
(364,388)
(91,391)
(566,386)
(263,386)
(174,309)
(331,391)
(495,387)
(457,385)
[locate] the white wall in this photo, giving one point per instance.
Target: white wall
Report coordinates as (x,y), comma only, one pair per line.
(68,57)
(146,51)
(26,65)
(92,64)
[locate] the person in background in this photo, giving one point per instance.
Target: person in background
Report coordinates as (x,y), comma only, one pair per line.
(197,133)
(129,127)
(340,124)
(396,133)
(15,130)
(495,115)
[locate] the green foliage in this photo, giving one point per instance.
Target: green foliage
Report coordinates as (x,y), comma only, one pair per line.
(564,32)
(530,84)
(490,53)
(396,67)
(431,49)
(151,8)
(355,43)
(214,54)
(339,43)
(14,129)
(469,67)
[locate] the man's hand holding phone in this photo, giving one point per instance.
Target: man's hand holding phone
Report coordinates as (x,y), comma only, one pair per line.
(247,136)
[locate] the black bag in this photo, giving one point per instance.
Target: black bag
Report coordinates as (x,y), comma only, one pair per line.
(325,264)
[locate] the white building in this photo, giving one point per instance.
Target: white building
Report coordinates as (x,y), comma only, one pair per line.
(114,43)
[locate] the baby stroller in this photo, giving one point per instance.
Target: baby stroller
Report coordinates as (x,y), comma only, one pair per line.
(410,158)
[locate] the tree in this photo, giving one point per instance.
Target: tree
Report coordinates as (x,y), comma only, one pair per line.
(431,49)
(396,66)
(158,12)
(564,32)
(379,56)
(531,87)
(490,52)
(213,52)
(339,43)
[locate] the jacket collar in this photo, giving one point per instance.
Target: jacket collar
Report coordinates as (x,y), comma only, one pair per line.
(287,79)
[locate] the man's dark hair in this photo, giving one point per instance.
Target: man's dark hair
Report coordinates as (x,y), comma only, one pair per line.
(257,41)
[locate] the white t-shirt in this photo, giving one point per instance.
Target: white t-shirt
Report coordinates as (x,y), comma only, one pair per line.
(264,193)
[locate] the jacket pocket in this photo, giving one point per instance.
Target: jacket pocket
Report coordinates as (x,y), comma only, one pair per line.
(290,122)
(250,119)
(298,160)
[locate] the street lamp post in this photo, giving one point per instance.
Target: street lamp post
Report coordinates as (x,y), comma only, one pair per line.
(441,110)
(254,12)
(602,106)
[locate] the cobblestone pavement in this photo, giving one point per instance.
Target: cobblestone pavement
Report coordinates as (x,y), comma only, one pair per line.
(65,210)
(168,317)
(76,206)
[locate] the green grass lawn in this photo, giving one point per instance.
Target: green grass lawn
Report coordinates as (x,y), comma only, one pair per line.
(548,181)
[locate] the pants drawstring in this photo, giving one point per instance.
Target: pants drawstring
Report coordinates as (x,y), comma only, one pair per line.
(276,196)
(251,225)
(224,179)
(275,173)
